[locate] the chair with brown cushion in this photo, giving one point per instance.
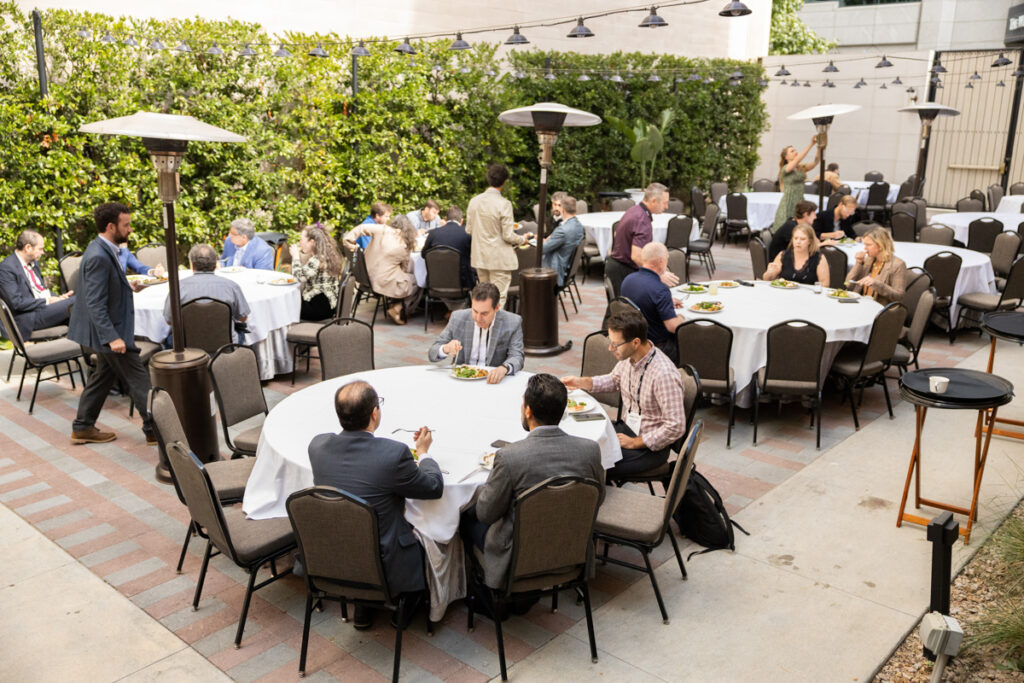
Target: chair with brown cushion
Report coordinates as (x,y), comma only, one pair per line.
(904,227)
(944,268)
(551,551)
(236,386)
(152,255)
(598,359)
(1004,252)
(678,234)
(41,355)
(622,304)
(444,279)
(302,335)
(789,376)
(909,346)
(207,324)
(758,256)
(40,335)
(706,345)
(641,521)
(833,202)
(581,207)
(859,366)
(621,204)
(922,212)
(675,205)
(764,185)
(969,205)
(995,195)
(942,235)
(1017,188)
(981,234)
(248,543)
(701,247)
(837,266)
(227,476)
(974,304)
(69,265)
(345,346)
(718,190)
(339,548)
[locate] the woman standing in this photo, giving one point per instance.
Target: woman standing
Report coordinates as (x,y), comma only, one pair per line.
(792,175)
(877,272)
(802,261)
(389,263)
(316,264)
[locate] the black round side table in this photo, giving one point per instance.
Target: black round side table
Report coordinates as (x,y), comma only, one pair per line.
(1008,326)
(967,390)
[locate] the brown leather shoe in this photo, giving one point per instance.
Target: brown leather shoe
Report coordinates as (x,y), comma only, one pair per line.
(91,435)
(151,439)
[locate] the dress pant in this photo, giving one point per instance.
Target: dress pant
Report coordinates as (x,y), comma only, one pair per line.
(499,278)
(51,315)
(635,460)
(111,367)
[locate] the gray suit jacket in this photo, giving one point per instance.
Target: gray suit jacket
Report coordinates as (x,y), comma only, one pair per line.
(383,473)
(105,308)
(546,452)
(505,345)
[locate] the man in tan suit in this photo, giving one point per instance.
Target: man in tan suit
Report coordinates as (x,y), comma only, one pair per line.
(489,222)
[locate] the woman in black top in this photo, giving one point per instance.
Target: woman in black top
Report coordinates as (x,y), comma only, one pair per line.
(802,261)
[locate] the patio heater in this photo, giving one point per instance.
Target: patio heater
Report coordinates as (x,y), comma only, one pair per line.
(928,112)
(537,285)
(182,372)
(822,116)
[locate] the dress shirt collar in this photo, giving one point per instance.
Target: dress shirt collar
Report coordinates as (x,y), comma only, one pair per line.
(646,357)
(24,263)
(115,248)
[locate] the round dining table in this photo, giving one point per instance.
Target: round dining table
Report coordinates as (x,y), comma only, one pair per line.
(750,311)
(762,206)
(599,226)
(1011,203)
(272,308)
(976,273)
(860,190)
(961,221)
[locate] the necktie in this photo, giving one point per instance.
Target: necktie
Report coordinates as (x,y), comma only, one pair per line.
(33,279)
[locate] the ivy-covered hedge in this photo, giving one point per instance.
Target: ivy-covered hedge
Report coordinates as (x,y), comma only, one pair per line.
(418,128)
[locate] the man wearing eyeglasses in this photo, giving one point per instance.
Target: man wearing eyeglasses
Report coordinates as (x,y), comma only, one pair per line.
(652,396)
(382,472)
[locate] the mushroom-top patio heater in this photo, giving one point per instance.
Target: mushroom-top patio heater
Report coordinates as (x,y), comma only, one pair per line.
(182,372)
(822,116)
(928,112)
(537,285)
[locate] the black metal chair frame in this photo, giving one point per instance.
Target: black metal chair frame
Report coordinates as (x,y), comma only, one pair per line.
(815,398)
(346,321)
(301,350)
(946,310)
(730,394)
(427,299)
(364,288)
(861,381)
(734,224)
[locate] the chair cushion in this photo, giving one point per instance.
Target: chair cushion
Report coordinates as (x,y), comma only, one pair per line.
(258,538)
(717,386)
(982,301)
(49,333)
(785,386)
(902,355)
(591,250)
(303,333)
(229,477)
(53,351)
(248,439)
(847,362)
(699,245)
(147,349)
(631,514)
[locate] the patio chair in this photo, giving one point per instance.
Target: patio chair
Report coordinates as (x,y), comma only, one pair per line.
(718,190)
(677,264)
(878,199)
(236,386)
(1017,188)
(916,283)
(1004,252)
(874,176)
(764,185)
(278,241)
(302,335)
(677,235)
(980,196)
(622,304)
(364,288)
(969,205)
(837,266)
(569,280)
(675,205)
(995,195)
(698,203)
(974,304)
(736,222)
(622,204)
(69,266)
(345,346)
(909,346)
(444,279)
(788,376)
(599,360)
(941,235)
(758,256)
(904,227)
(706,346)
(701,247)
(981,234)
(207,324)
(861,228)
(152,255)
(944,268)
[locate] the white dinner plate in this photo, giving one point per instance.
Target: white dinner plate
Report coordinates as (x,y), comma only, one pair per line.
(232,269)
(831,293)
(291,281)
(588,405)
(792,286)
(691,309)
(469,379)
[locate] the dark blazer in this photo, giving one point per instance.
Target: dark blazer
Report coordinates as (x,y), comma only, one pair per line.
(18,294)
(504,345)
(105,309)
(546,452)
(453,235)
(383,473)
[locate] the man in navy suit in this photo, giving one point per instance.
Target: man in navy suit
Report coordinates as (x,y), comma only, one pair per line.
(453,235)
(21,285)
(383,473)
(104,321)
(243,248)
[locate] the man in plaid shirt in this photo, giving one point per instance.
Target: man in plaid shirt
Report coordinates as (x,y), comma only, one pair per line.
(652,395)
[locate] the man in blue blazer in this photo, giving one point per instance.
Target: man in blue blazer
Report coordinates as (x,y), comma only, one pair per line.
(21,285)
(483,335)
(243,248)
(382,472)
(103,320)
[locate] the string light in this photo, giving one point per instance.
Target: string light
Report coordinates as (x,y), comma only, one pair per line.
(652,20)
(937,67)
(517,38)
(580,31)
(459,43)
(247,51)
(214,50)
(107,38)
(1000,84)
(318,51)
(883,64)
(831,68)
(131,42)
(83,33)
(183,48)
(1001,61)
(406,48)
(360,50)
(156,45)
(735,9)
(583,77)
(974,77)
(282,52)
(783,71)
(654,78)
(897,81)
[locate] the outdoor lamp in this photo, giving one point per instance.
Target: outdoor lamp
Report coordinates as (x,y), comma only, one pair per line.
(537,285)
(580,31)
(928,112)
(884,63)
(459,43)
(822,116)
(182,372)
(734,9)
(517,38)
(1001,61)
(652,20)
(360,50)
(406,48)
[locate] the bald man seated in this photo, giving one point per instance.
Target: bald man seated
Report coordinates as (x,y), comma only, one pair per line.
(654,299)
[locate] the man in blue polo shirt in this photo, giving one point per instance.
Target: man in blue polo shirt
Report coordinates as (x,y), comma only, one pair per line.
(652,296)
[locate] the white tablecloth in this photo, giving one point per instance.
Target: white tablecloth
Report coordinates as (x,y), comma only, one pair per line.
(761,207)
(1011,204)
(961,221)
(976,274)
(750,311)
(599,226)
(860,190)
(272,308)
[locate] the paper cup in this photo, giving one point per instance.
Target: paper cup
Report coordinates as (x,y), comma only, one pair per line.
(938,384)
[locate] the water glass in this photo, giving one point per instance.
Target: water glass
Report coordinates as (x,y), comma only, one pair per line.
(817,288)
(713,289)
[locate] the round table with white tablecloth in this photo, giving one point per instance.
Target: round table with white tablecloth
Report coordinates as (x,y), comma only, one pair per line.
(599,226)
(762,207)
(976,274)
(272,308)
(1011,204)
(750,311)
(961,221)
(860,190)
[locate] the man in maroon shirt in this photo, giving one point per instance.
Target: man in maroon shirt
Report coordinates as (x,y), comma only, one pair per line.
(633,233)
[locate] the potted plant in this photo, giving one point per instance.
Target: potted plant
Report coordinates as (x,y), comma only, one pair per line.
(646,140)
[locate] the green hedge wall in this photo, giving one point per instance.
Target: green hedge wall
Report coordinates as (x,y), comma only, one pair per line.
(416,129)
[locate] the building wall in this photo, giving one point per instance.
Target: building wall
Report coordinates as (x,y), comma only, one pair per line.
(695,31)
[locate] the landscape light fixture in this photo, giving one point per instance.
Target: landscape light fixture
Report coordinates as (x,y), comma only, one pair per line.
(831,68)
(796,84)
(884,63)
(807,84)
(580,31)
(734,9)
(459,43)
(517,38)
(861,83)
(537,285)
(969,85)
(360,50)
(405,48)
(318,51)
(822,116)
(652,20)
(783,71)
(1001,61)
(1000,84)
(883,87)
(762,82)
(927,112)
(281,51)
(857,86)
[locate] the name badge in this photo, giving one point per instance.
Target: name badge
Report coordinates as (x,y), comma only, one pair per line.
(633,422)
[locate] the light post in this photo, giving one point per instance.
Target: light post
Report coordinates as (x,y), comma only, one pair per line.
(537,285)
(182,372)
(822,116)
(928,112)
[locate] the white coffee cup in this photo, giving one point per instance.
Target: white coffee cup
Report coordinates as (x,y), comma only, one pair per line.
(938,384)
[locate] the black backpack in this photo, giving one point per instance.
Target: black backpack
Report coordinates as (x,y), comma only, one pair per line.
(702,517)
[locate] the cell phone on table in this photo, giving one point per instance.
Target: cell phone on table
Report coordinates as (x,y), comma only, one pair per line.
(499,444)
(587,417)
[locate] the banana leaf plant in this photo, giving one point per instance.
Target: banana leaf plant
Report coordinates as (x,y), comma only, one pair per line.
(646,140)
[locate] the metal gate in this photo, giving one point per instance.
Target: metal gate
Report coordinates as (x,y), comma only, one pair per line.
(985,144)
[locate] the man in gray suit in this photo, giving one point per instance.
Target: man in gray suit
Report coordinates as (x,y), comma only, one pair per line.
(546,452)
(383,473)
(483,335)
(103,320)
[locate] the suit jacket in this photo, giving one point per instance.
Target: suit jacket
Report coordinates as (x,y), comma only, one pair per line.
(453,235)
(258,254)
(504,345)
(383,473)
(546,452)
(559,245)
(105,308)
(892,279)
(489,222)
(17,292)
